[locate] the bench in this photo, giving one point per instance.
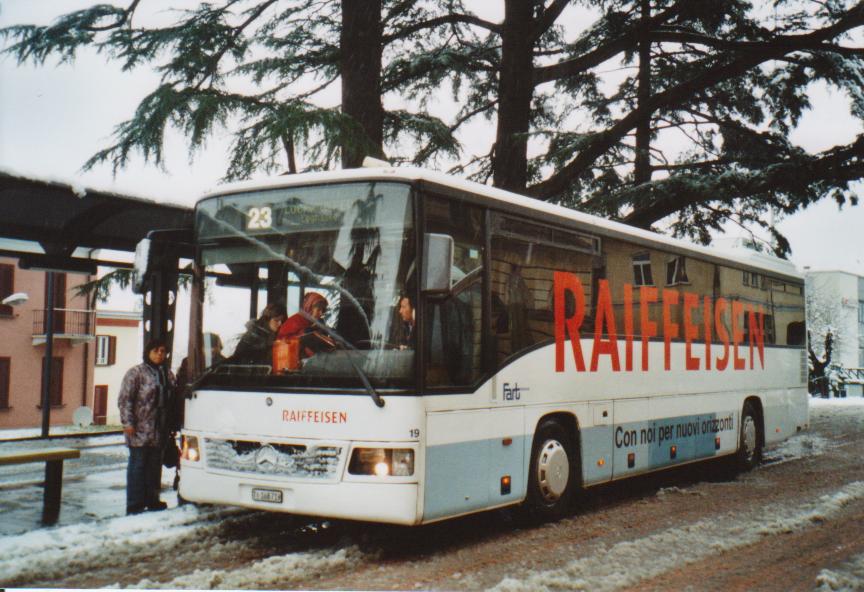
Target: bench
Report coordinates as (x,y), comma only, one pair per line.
(53,457)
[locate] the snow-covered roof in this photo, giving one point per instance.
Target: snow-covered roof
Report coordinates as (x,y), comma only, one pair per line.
(79,189)
(601,225)
(35,212)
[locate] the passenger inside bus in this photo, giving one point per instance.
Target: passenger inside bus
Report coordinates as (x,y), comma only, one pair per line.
(303,324)
(256,344)
(405,338)
(352,322)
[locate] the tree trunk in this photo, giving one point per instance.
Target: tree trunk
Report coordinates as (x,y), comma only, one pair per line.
(515,91)
(642,169)
(360,63)
(288,144)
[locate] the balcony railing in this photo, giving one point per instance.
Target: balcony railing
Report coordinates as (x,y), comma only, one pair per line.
(68,323)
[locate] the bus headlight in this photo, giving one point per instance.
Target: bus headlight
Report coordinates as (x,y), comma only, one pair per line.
(190,450)
(382,462)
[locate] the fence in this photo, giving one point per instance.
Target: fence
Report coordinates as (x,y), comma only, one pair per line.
(67,321)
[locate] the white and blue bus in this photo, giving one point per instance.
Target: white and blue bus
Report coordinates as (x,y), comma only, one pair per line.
(550,350)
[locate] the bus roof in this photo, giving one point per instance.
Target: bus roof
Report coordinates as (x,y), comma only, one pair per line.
(602,226)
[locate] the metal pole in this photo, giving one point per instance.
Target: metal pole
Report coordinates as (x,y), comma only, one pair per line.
(49,353)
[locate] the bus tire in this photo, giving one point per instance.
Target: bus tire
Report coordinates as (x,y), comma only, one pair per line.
(749,440)
(551,480)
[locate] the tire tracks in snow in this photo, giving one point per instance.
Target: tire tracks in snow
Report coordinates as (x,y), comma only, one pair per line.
(48,555)
(276,572)
(629,562)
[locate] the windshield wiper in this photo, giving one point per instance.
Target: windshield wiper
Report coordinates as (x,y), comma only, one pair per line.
(347,345)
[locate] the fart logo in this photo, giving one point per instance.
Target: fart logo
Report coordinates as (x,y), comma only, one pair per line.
(513,393)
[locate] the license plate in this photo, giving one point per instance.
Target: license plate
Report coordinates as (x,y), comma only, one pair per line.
(273,496)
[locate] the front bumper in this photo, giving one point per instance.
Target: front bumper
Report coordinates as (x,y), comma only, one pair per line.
(394,503)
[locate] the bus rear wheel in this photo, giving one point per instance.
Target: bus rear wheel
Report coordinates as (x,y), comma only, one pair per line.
(551,480)
(750,439)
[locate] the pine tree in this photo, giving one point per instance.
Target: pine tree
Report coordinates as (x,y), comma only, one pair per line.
(257,68)
(729,77)
(728,80)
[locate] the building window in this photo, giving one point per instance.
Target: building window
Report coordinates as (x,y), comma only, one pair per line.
(642,270)
(769,334)
(676,272)
(861,312)
(7,287)
(56,390)
(106,350)
(755,280)
(5,378)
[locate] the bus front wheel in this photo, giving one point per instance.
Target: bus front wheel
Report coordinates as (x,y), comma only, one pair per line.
(750,439)
(551,480)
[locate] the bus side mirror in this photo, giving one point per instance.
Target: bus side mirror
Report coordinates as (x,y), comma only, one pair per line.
(141,267)
(437,263)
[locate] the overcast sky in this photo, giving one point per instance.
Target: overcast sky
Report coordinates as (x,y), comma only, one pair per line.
(53,118)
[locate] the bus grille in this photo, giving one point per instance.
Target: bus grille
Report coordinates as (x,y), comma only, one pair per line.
(278,460)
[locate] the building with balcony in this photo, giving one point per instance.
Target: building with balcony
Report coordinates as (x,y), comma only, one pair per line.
(49,224)
(22,347)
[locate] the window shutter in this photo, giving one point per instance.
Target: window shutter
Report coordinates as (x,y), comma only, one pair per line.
(5,372)
(56,389)
(112,350)
(57,382)
(7,287)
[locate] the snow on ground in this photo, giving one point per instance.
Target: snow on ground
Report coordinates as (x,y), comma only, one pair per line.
(797,447)
(67,430)
(849,576)
(264,574)
(808,444)
(837,406)
(629,562)
(49,553)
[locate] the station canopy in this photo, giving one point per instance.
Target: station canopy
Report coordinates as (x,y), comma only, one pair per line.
(53,225)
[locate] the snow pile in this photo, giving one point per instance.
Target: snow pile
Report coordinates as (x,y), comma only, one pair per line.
(269,573)
(797,447)
(51,553)
(629,562)
(849,577)
(664,491)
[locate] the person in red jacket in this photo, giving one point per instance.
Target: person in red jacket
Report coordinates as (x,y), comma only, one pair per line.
(302,324)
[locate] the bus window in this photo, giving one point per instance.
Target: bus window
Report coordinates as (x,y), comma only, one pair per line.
(525,257)
(453,324)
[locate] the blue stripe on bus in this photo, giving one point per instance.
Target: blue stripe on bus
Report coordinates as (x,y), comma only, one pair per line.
(466,476)
(692,436)
(596,445)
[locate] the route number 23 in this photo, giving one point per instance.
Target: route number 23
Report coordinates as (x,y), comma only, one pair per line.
(260,218)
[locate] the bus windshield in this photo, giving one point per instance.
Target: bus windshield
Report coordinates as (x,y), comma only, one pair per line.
(309,287)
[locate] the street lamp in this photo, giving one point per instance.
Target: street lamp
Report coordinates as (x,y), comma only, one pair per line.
(16,299)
